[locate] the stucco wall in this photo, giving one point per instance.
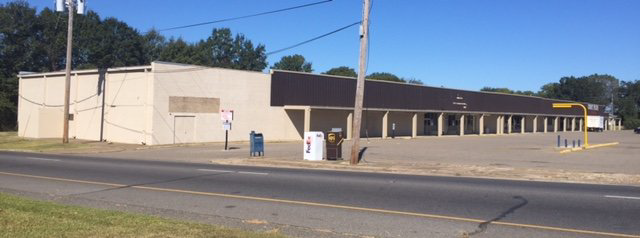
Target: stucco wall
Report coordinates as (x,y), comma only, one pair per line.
(245,92)
(125,117)
(41,101)
(30,100)
(403,121)
(325,120)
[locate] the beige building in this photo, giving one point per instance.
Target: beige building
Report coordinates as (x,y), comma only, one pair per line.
(162,103)
(166,103)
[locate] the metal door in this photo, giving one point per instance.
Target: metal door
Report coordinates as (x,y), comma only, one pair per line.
(184,129)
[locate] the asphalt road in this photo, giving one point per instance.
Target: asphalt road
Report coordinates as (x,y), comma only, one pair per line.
(336,203)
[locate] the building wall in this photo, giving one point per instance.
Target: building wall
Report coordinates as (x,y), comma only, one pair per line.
(298,88)
(30,101)
(490,124)
(245,92)
(325,120)
(403,121)
(371,124)
(41,102)
(87,107)
(125,117)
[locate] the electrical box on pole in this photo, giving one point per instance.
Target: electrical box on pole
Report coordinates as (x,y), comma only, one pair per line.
(80,5)
(59,5)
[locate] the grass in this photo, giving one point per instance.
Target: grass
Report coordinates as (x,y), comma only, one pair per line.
(11,141)
(21,217)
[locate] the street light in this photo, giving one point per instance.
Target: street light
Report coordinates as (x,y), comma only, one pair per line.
(570,105)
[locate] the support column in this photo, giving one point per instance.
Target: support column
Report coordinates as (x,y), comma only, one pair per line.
(555,124)
(535,124)
(440,121)
(580,124)
(385,124)
(509,124)
(606,125)
(307,119)
(414,125)
(545,126)
(500,126)
(619,124)
(573,124)
(522,124)
(564,124)
(462,124)
(481,124)
(350,126)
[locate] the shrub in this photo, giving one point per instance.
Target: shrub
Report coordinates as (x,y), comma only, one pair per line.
(631,123)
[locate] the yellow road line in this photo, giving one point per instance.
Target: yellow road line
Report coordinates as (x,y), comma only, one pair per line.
(424,215)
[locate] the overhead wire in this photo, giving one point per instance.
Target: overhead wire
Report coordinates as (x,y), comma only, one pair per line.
(314,38)
(245,16)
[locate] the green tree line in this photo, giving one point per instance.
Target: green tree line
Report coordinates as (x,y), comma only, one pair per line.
(621,97)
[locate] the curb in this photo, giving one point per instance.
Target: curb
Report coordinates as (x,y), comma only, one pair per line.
(588,147)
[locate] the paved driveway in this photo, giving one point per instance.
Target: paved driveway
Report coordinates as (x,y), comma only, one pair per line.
(516,150)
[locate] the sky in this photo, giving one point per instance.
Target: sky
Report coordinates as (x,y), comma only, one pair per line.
(464,44)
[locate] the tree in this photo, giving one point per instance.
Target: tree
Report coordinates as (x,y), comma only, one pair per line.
(224,51)
(248,57)
(342,71)
(596,88)
(154,44)
(413,81)
(550,90)
(53,39)
(178,51)
(508,91)
(497,90)
(385,77)
(19,50)
(293,63)
(628,103)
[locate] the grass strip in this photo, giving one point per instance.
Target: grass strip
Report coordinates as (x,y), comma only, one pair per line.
(20,217)
(11,141)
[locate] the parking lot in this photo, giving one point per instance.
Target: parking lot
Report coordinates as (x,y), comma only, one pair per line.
(467,155)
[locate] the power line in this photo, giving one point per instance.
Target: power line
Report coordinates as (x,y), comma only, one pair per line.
(315,38)
(246,16)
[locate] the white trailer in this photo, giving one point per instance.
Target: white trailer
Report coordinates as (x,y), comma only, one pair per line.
(595,123)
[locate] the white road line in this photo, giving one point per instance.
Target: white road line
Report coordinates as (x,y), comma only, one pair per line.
(34,158)
(229,171)
(623,197)
(216,170)
(256,173)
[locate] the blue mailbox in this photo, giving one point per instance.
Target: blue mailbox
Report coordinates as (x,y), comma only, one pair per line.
(256,143)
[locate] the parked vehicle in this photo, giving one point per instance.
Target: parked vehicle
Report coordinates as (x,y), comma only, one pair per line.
(637,130)
(595,123)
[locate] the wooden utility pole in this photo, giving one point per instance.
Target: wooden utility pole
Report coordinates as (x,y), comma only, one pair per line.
(357,109)
(67,80)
